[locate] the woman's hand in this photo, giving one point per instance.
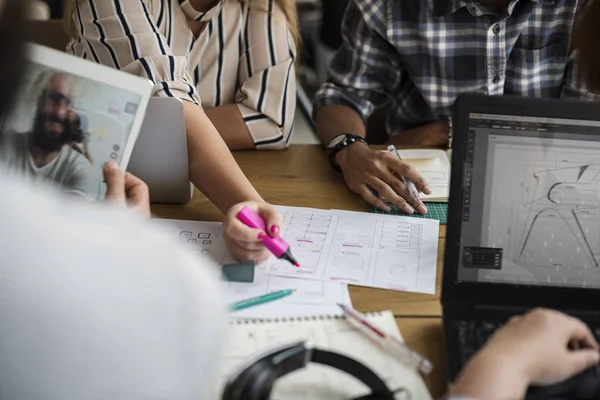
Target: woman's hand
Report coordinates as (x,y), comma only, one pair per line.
(245,243)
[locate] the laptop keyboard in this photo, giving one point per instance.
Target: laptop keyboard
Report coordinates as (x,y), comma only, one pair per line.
(472,335)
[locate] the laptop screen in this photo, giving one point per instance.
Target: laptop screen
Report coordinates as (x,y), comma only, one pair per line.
(531,204)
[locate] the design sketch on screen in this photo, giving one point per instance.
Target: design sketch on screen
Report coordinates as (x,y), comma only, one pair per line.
(548,216)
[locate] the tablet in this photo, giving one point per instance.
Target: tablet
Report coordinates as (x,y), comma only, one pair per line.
(69,118)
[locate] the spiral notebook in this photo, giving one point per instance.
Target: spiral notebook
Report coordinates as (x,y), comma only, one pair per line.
(251,337)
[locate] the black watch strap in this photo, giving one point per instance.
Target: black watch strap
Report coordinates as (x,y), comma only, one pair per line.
(339,143)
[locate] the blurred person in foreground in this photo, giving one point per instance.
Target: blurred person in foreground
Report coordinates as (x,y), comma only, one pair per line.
(95,304)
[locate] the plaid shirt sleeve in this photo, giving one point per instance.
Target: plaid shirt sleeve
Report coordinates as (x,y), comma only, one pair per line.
(363,73)
(573,86)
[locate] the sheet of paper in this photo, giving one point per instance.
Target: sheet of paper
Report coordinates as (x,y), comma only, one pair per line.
(384,251)
(375,250)
(434,165)
(200,237)
(311,298)
(318,382)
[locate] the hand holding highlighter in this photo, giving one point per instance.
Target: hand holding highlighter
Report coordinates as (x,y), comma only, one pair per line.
(276,245)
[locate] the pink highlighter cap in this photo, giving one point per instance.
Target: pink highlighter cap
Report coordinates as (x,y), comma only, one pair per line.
(276,245)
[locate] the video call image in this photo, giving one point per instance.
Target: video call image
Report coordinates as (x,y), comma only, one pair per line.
(63,128)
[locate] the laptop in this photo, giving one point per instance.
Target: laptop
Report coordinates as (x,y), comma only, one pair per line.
(160,155)
(524,217)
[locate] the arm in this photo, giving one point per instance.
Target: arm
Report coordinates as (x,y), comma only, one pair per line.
(491,376)
(362,75)
(573,85)
(266,99)
(541,348)
(212,167)
(230,124)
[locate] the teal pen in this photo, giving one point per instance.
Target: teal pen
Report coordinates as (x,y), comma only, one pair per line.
(256,301)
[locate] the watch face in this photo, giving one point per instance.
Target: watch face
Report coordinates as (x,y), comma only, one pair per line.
(336,140)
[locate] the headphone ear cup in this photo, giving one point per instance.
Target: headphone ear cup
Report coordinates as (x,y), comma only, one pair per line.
(244,384)
(262,386)
(258,382)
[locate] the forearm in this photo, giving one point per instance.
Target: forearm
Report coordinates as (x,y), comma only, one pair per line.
(431,134)
(490,377)
(332,120)
(231,126)
(213,169)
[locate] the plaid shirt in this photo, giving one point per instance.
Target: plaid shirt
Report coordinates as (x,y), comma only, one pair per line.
(419,55)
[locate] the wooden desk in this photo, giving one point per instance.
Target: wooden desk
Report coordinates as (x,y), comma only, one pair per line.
(301,176)
(426,336)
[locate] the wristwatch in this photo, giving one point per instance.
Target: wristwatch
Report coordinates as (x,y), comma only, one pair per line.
(339,143)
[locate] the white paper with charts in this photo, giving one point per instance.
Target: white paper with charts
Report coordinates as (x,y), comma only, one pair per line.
(317,382)
(383,251)
(311,297)
(374,250)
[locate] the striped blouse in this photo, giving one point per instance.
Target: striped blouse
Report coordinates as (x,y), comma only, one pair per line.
(244,55)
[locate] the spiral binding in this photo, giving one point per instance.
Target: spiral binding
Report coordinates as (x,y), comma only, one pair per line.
(253,321)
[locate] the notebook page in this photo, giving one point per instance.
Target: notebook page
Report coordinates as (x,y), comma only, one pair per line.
(434,165)
(320,382)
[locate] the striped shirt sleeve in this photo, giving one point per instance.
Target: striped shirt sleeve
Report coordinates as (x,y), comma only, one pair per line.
(266,96)
(123,35)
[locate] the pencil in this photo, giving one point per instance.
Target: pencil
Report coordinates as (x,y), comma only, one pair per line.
(255,301)
(409,184)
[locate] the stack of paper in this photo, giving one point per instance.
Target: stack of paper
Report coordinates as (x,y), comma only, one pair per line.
(334,248)
(312,297)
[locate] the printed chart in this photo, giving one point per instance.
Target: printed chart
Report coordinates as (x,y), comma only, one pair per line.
(384,251)
(364,249)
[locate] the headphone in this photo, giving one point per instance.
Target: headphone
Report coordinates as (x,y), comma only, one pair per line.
(255,379)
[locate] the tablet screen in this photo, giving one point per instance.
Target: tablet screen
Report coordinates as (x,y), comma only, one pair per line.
(63,127)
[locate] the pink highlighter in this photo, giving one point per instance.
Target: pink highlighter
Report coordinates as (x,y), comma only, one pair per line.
(276,245)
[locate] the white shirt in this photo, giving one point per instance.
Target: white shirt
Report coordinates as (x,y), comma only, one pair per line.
(69,169)
(94,304)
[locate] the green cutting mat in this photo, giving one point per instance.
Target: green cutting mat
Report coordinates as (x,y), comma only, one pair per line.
(437,211)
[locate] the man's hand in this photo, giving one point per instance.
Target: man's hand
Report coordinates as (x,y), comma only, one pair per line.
(548,346)
(543,347)
(364,168)
(432,134)
(126,189)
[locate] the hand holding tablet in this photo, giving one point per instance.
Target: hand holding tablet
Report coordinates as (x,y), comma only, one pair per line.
(70,117)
